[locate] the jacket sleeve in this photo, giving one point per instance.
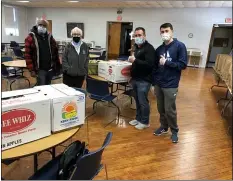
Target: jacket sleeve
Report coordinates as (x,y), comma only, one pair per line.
(182,59)
(150,59)
(28,53)
(87,60)
(65,64)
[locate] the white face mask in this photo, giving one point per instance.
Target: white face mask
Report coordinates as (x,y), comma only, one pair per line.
(42,30)
(166,36)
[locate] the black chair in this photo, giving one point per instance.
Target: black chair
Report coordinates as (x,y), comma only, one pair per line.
(18,53)
(90,164)
(12,76)
(86,167)
(14,44)
(99,91)
(103,56)
(3,47)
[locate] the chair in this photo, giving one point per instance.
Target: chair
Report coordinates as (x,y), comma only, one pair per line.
(3,47)
(86,167)
(90,164)
(12,75)
(103,56)
(18,52)
(14,44)
(99,91)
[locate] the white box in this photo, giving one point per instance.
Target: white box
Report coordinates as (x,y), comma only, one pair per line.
(118,71)
(25,117)
(68,106)
(103,69)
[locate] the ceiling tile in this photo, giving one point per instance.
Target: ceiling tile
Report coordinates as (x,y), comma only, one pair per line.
(165,4)
(189,4)
(177,4)
(216,4)
(227,4)
(126,4)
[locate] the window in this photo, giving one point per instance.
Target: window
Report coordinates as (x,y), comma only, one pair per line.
(11,21)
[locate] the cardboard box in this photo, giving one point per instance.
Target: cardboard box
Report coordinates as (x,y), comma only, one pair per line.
(25,117)
(67,106)
(103,69)
(118,71)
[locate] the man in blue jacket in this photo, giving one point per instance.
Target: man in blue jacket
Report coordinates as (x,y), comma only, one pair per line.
(171,59)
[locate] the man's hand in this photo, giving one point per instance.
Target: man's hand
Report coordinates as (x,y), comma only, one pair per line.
(33,74)
(131,59)
(162,60)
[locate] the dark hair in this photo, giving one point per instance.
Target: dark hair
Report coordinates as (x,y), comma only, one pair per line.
(167,25)
(141,28)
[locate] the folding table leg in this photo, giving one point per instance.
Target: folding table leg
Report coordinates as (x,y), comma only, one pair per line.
(35,162)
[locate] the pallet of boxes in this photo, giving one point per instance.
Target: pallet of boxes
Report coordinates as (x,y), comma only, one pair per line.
(32,114)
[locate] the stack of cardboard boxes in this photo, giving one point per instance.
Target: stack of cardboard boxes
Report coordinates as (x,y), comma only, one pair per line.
(31,114)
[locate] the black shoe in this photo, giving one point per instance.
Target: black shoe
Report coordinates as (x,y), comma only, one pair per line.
(160,131)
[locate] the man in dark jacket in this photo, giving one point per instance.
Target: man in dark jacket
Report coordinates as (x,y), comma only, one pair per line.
(171,59)
(141,73)
(41,53)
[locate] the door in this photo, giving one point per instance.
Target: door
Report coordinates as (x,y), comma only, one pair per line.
(220,43)
(114,37)
(50,26)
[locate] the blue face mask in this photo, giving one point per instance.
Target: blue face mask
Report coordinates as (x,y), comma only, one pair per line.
(139,40)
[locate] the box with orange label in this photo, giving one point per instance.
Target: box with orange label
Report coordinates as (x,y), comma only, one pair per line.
(67,106)
(25,117)
(118,71)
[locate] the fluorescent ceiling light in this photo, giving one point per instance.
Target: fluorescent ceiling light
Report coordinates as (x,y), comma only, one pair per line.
(73,1)
(23,1)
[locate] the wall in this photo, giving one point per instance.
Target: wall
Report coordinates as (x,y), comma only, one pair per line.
(198,21)
(22,25)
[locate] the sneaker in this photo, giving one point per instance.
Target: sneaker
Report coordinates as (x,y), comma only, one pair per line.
(160,131)
(174,138)
(142,126)
(133,122)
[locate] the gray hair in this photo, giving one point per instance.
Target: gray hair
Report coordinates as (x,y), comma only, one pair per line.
(76,30)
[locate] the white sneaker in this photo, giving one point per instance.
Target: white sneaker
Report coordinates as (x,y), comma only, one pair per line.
(133,122)
(141,126)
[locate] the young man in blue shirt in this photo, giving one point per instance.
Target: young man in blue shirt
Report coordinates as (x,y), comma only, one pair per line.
(171,59)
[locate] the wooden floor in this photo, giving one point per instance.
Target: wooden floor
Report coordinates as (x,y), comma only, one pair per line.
(204,150)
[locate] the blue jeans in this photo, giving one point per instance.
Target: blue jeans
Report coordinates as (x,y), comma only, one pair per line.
(44,77)
(141,89)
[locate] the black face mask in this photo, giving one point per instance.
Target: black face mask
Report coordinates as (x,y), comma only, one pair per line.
(76,39)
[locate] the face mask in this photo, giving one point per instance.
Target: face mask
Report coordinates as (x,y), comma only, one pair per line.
(76,39)
(166,36)
(42,30)
(139,41)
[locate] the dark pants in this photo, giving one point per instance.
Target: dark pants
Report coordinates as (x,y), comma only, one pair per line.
(44,77)
(166,104)
(76,81)
(141,89)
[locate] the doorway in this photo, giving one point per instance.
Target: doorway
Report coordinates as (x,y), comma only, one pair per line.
(220,42)
(118,39)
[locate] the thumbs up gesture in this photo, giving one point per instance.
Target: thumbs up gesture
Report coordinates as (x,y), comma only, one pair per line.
(162,60)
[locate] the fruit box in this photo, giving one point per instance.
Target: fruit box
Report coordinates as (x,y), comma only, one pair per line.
(67,106)
(25,117)
(118,71)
